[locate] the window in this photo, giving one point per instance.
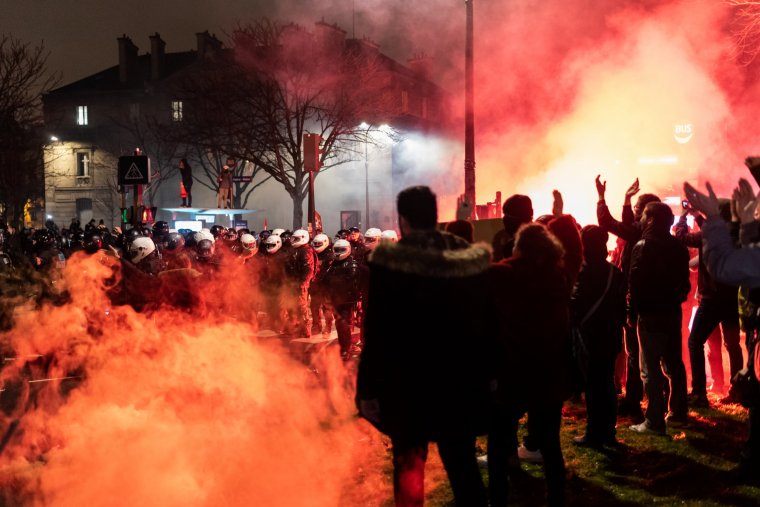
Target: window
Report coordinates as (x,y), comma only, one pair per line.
(83,163)
(82,115)
(176,110)
(404,101)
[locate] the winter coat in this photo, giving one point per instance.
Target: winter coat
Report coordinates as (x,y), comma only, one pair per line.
(187,176)
(301,266)
(427,337)
(318,287)
(603,329)
(532,338)
(628,230)
(343,281)
(707,286)
(659,275)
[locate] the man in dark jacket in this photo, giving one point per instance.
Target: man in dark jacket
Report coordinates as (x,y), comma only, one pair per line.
(629,230)
(658,284)
(717,306)
(423,381)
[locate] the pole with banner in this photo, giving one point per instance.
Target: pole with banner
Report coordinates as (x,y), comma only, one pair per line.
(311,164)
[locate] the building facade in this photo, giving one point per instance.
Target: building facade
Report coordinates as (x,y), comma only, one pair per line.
(112,113)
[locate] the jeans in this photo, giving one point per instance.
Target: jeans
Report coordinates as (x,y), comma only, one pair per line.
(458,457)
(710,313)
(660,341)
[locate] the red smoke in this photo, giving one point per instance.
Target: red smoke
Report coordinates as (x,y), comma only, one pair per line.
(568,90)
(177,408)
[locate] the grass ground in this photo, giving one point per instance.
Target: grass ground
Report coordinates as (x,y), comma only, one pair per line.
(691,466)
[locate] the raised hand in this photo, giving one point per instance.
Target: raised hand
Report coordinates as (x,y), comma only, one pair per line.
(633,189)
(746,201)
(601,187)
(558,204)
(705,204)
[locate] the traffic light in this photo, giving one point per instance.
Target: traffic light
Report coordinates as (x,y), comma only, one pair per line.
(311,152)
(124,215)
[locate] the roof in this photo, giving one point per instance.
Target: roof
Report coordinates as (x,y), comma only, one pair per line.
(108,79)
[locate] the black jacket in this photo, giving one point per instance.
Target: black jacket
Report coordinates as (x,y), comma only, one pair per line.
(532,310)
(426,335)
(707,286)
(629,230)
(343,281)
(659,274)
(603,329)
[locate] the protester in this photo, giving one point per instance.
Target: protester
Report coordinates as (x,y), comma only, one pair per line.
(531,293)
(419,380)
(598,307)
(629,230)
(733,266)
(658,284)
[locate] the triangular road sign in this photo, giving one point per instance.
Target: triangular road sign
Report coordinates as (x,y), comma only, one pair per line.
(134,173)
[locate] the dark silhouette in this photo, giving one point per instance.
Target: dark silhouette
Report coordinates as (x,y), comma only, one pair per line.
(423,381)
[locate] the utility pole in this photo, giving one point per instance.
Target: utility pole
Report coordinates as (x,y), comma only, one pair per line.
(366,183)
(469,116)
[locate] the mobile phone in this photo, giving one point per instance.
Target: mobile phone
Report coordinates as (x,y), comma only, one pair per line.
(753,163)
(685,204)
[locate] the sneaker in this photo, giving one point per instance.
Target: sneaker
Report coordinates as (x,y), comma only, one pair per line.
(646,428)
(698,400)
(526,454)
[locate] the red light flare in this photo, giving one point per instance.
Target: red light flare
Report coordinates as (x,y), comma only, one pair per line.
(587,96)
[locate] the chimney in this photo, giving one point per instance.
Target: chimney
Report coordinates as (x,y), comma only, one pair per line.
(127,60)
(157,52)
(208,45)
(421,65)
(330,37)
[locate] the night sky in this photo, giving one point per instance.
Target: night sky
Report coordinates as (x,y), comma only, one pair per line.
(81,34)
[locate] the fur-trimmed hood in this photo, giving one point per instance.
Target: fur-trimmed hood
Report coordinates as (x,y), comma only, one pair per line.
(435,254)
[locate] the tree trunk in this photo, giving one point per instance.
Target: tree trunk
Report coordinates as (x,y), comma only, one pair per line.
(297,209)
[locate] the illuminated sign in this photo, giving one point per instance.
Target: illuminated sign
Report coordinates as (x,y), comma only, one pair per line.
(683,133)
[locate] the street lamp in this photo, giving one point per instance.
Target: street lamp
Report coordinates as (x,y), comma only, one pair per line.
(366,126)
(385,129)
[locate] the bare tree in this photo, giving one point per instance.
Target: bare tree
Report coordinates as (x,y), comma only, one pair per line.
(746,28)
(148,131)
(23,80)
(278,83)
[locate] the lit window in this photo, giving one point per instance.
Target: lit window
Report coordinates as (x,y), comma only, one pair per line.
(176,110)
(83,163)
(82,115)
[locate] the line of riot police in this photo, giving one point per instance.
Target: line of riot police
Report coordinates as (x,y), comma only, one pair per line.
(304,285)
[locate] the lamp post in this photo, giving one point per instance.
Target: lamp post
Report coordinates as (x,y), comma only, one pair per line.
(366,126)
(366,183)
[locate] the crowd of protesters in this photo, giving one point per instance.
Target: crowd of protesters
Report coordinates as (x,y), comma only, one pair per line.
(491,332)
(521,327)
